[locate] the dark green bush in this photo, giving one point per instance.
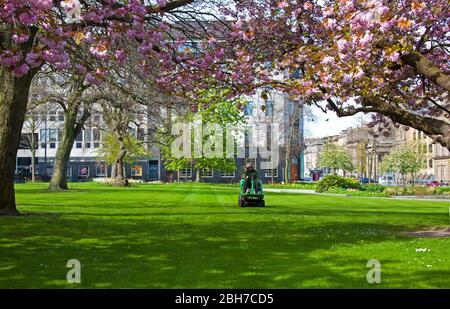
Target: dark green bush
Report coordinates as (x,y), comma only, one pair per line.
(335,181)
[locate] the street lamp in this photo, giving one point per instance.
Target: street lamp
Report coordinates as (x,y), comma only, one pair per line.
(442,170)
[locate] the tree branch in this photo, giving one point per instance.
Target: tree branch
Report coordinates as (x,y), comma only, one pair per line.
(427,68)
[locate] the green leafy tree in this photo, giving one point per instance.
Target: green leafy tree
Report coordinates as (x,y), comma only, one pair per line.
(110,149)
(213,106)
(406,160)
(335,157)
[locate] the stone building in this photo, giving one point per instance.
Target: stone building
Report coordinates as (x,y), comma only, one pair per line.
(367,146)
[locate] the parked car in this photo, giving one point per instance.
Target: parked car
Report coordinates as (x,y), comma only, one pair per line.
(366,180)
(436,183)
(387,180)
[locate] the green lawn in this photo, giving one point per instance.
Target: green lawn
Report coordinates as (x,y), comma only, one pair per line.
(194,236)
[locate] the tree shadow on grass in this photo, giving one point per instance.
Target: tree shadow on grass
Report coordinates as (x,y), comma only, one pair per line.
(192,253)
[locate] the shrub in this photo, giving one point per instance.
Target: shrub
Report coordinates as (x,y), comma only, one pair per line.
(335,181)
(443,190)
(373,188)
(411,190)
(309,186)
(391,191)
(111,181)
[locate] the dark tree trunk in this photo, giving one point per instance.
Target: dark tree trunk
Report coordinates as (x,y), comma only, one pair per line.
(70,132)
(33,157)
(13,103)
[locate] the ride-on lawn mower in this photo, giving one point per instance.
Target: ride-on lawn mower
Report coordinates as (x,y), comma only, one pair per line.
(253,196)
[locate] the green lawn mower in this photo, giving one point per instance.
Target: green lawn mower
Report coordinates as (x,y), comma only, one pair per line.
(252,196)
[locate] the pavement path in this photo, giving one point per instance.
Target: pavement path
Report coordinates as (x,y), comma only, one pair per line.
(407,197)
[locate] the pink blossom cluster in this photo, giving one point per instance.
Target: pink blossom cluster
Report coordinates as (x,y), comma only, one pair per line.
(345,49)
(38,36)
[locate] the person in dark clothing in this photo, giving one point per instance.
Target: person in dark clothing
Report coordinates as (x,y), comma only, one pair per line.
(249,175)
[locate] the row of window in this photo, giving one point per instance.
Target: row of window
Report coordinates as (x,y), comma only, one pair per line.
(248,111)
(85,171)
(100,171)
(54,116)
(208,173)
(88,138)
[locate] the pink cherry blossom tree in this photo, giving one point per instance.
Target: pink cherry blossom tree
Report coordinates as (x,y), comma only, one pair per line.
(351,56)
(51,33)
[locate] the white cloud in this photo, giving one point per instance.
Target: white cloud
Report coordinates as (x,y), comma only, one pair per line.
(326,124)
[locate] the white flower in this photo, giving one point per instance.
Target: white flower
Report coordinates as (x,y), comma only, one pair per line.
(422,250)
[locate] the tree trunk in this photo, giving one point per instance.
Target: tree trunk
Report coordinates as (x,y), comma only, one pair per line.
(288,163)
(286,171)
(33,156)
(33,164)
(427,68)
(198,176)
(13,103)
(120,177)
(113,170)
(70,132)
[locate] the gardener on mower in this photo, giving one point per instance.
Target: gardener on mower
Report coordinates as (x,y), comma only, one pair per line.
(249,175)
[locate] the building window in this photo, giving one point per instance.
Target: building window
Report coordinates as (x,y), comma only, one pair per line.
(430,162)
(52,145)
(52,135)
(61,116)
(269,109)
(430,148)
(248,111)
(43,135)
(271,173)
(207,173)
(83,171)
(88,136)
(49,171)
(136,171)
(96,135)
(100,169)
(228,174)
(69,172)
(52,116)
(79,141)
(186,173)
